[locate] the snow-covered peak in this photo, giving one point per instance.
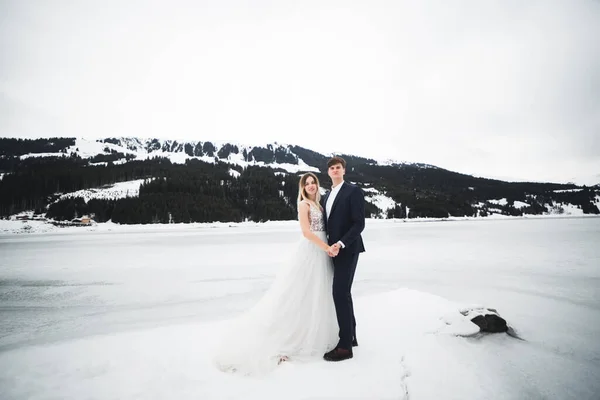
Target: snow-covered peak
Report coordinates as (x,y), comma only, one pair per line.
(276,155)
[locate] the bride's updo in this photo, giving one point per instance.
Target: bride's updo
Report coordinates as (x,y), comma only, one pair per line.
(302,195)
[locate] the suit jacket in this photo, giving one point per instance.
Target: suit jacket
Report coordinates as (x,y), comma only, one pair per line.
(347,218)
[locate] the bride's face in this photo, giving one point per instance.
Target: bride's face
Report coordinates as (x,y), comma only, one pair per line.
(310,186)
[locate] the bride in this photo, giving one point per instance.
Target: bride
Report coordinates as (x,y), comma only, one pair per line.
(295,320)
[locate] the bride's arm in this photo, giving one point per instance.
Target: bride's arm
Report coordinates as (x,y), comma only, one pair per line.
(303,214)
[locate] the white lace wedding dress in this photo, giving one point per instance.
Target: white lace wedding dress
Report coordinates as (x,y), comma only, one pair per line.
(294,319)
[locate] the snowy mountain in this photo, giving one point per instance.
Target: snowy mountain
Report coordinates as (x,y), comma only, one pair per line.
(120,150)
(287,157)
(157,180)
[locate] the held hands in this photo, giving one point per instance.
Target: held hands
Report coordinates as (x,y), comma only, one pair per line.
(333,250)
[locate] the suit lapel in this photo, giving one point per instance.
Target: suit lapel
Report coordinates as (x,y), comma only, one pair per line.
(324,203)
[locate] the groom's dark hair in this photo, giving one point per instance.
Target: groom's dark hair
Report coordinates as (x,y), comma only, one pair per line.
(336,160)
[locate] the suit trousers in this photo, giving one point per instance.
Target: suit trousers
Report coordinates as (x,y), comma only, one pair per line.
(343,276)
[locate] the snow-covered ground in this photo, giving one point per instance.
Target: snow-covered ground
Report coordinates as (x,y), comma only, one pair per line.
(132,312)
(41,226)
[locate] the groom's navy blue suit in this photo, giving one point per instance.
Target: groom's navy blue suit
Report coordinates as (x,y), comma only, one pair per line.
(345,223)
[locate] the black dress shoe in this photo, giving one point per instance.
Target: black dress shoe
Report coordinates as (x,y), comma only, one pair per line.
(338,354)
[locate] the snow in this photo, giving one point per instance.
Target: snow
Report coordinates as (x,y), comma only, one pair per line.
(370,190)
(13,226)
(500,202)
(571,209)
(566,209)
(25,227)
(496,212)
(519,204)
(137,146)
(31,155)
(106,312)
(247,145)
(117,191)
(380,200)
(234,173)
(567,190)
(238,159)
(86,148)
(89,148)
(556,208)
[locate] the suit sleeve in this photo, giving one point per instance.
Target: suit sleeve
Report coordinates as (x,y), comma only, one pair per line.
(357,216)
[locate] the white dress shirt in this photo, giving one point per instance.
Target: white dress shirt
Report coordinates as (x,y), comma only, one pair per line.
(329,204)
(331,198)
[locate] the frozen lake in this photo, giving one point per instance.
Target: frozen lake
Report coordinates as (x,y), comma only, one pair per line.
(542,275)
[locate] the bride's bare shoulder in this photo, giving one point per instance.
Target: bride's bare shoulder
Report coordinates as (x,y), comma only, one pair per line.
(304,204)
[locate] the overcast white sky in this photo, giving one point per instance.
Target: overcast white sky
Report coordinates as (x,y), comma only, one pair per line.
(495,88)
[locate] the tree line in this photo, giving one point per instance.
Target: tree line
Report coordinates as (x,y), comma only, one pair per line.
(192,192)
(199,191)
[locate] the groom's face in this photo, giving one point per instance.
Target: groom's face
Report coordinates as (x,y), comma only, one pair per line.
(336,171)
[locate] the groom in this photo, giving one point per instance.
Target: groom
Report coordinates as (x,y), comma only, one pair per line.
(344,221)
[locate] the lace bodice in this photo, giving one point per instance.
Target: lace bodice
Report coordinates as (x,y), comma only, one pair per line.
(316,217)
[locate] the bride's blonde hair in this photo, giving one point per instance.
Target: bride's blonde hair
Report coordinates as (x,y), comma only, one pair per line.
(302,195)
